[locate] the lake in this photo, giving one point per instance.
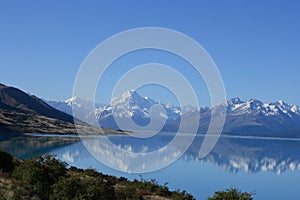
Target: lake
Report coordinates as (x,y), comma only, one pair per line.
(270,167)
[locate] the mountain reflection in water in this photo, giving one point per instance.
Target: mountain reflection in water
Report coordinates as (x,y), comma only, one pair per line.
(27,146)
(268,166)
(251,154)
(231,153)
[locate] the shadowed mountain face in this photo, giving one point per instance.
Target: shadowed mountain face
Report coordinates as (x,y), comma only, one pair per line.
(16,100)
(20,112)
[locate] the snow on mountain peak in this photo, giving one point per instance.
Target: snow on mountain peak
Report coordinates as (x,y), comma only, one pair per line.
(131,99)
(235,101)
(281,102)
(294,108)
(74,101)
(71,99)
(253,106)
(82,103)
(131,105)
(129,93)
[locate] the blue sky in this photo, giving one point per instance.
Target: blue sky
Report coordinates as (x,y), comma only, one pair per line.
(255,44)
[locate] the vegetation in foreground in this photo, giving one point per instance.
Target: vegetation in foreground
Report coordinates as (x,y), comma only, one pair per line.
(44,177)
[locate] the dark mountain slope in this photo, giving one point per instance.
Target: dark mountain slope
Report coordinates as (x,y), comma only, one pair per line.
(14,99)
(23,113)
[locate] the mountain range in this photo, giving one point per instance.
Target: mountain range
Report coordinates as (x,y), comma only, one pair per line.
(252,117)
(21,112)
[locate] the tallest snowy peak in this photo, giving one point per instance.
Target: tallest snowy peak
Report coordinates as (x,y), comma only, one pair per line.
(129,97)
(129,93)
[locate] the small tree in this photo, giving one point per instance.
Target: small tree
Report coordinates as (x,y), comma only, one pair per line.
(41,173)
(66,188)
(82,187)
(231,194)
(55,167)
(33,173)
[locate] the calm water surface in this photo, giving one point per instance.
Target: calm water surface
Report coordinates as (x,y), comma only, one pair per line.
(269,167)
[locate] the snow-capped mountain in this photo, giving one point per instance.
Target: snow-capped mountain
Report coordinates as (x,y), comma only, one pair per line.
(250,117)
(131,105)
(238,107)
(269,116)
(82,105)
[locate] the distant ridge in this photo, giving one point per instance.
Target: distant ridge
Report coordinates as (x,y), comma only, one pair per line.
(250,118)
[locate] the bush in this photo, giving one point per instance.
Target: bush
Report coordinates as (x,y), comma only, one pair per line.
(23,191)
(127,192)
(178,195)
(231,194)
(41,173)
(66,188)
(55,167)
(75,187)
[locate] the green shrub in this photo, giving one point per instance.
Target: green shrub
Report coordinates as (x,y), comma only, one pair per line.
(23,191)
(231,194)
(82,187)
(127,192)
(66,188)
(41,173)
